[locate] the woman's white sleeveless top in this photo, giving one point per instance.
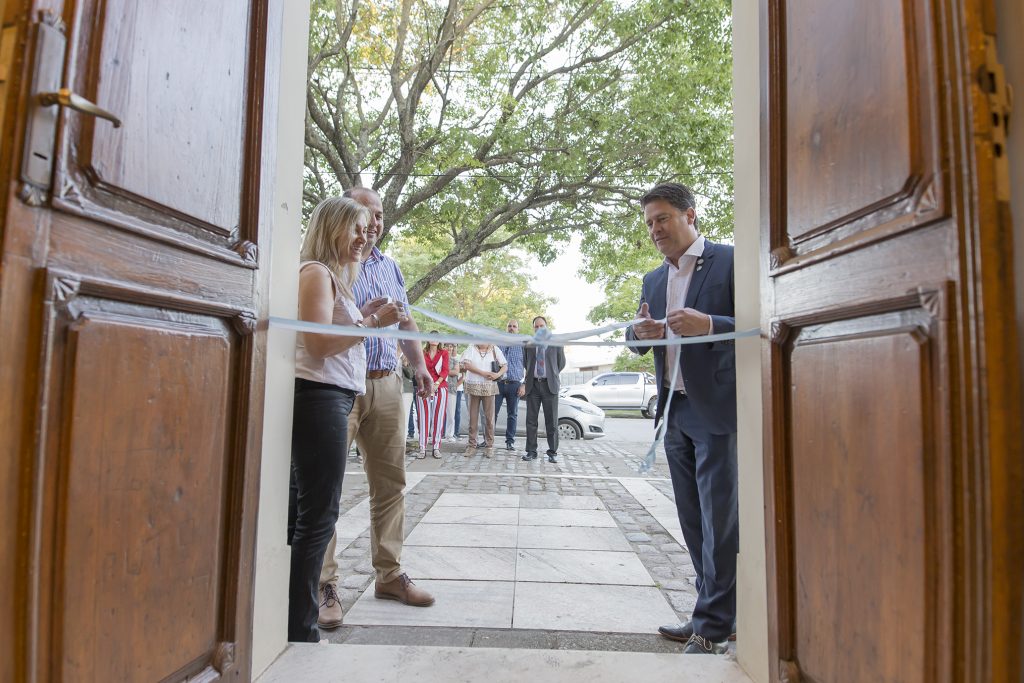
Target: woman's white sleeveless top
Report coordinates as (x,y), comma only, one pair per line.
(346,369)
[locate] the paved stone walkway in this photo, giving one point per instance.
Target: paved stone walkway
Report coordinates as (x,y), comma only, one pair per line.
(582,554)
(596,458)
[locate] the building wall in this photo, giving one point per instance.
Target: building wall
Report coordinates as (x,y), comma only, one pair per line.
(270,599)
(751,593)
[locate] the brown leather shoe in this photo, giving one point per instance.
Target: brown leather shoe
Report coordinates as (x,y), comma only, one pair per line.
(403,590)
(330,607)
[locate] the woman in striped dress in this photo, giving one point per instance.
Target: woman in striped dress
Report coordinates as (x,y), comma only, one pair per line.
(430,411)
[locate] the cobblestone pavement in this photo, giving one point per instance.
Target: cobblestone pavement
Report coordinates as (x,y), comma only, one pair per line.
(597,458)
(585,468)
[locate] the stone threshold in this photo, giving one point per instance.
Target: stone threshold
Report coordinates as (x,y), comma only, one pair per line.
(386,663)
(532,639)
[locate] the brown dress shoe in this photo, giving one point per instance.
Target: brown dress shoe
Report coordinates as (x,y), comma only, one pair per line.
(330,607)
(403,590)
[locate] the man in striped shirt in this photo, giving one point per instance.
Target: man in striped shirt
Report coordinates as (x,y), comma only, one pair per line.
(508,387)
(377,424)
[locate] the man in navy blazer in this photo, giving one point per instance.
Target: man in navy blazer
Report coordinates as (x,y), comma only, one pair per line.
(691,295)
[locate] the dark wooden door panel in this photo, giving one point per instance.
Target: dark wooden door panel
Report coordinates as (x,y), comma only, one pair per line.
(857,467)
(175,169)
(145,459)
(84,247)
(889,371)
(858,115)
(149,63)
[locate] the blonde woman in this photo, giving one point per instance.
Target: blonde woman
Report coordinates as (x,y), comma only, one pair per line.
(484,364)
(330,371)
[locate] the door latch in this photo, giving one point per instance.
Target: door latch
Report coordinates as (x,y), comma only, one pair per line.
(47,99)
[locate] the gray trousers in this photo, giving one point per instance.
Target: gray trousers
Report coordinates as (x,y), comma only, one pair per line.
(541,396)
(703,470)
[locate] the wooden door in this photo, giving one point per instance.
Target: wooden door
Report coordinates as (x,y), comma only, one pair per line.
(131,370)
(893,456)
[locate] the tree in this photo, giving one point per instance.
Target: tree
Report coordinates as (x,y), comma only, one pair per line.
(627,361)
(489,292)
(486,124)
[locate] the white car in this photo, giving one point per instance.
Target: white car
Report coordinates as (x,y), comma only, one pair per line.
(576,420)
(618,391)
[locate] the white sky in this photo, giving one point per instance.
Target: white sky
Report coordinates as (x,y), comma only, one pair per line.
(574,299)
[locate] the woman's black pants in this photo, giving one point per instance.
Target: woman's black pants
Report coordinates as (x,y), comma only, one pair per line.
(319,440)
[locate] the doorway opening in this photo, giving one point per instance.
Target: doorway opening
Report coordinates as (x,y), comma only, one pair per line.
(596,474)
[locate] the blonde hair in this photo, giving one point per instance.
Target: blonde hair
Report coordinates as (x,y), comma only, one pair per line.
(330,233)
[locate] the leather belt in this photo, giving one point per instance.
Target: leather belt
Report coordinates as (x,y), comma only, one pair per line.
(377,374)
(510,381)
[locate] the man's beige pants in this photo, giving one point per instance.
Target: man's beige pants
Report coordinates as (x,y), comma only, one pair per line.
(378,428)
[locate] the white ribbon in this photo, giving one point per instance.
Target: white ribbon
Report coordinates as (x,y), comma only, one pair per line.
(480,334)
(493,336)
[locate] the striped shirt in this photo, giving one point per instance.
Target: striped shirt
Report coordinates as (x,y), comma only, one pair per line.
(380,276)
(514,354)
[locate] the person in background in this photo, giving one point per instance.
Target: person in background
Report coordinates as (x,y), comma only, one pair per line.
(484,364)
(431,409)
(452,383)
(542,367)
(330,372)
(460,389)
(508,387)
(409,394)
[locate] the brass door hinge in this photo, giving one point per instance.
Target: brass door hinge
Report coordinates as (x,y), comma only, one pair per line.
(1000,102)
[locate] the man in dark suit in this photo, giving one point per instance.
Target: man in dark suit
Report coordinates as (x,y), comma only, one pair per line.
(540,386)
(691,294)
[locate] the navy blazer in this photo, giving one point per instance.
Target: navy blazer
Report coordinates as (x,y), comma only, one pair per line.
(709,370)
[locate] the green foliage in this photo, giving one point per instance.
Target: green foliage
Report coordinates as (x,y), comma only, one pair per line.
(490,291)
(627,361)
(489,124)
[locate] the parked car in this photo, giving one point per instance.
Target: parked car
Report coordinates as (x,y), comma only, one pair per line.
(576,420)
(618,391)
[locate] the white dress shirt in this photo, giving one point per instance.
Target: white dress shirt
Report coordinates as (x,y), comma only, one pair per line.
(675,299)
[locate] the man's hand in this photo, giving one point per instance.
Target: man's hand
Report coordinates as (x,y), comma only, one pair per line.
(382,313)
(372,305)
(424,383)
(648,328)
(522,390)
(689,322)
